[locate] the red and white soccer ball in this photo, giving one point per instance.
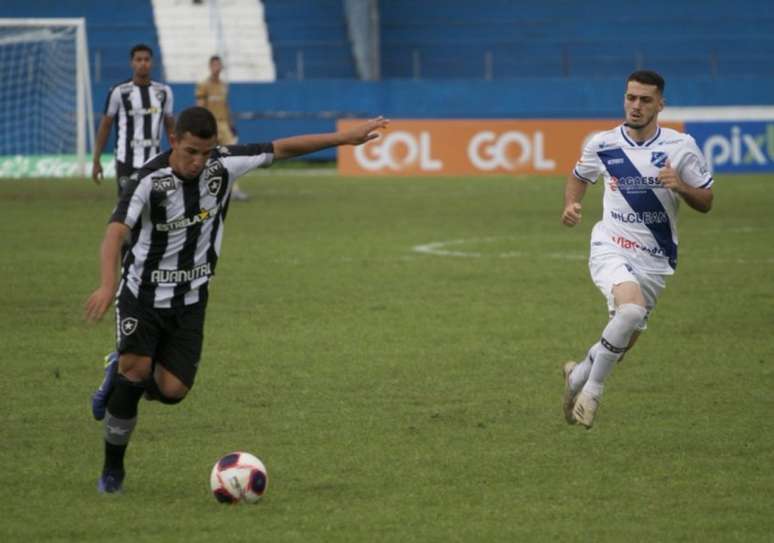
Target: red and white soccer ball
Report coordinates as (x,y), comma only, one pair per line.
(239,477)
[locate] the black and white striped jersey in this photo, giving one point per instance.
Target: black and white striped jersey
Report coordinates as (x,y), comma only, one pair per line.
(140,110)
(177,224)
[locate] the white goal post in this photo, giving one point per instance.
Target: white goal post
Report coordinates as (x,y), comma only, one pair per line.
(46,110)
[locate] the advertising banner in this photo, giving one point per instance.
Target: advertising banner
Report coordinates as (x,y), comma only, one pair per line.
(465,147)
(735,146)
(35,166)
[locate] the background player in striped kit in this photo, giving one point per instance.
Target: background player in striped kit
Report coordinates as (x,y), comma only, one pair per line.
(647,171)
(142,106)
(212,93)
(173,212)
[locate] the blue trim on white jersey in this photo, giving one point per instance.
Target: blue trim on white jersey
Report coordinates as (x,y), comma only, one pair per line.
(641,199)
(707,184)
(626,137)
(639,143)
(654,138)
(580,177)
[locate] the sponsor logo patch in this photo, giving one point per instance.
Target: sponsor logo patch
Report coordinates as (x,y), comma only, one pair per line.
(163,184)
(181,276)
(185,222)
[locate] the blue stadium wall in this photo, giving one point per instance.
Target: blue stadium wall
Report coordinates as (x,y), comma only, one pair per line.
(272,110)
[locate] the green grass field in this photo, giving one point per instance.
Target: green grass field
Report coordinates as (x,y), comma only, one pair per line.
(396,395)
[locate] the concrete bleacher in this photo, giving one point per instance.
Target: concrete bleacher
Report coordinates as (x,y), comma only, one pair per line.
(457,38)
(309,39)
(112,29)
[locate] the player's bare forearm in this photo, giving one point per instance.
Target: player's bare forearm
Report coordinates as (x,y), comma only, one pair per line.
(99,144)
(102,135)
(309,143)
(109,254)
(574,190)
(698,199)
(99,301)
(303,145)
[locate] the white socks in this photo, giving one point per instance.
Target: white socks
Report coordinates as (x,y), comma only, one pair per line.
(580,373)
(613,343)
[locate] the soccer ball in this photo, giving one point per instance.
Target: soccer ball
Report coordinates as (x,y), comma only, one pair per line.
(238,477)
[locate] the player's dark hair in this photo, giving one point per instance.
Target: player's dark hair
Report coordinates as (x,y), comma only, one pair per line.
(198,121)
(213,58)
(647,77)
(140,47)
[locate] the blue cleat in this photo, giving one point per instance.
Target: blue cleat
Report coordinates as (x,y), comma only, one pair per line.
(110,482)
(100,398)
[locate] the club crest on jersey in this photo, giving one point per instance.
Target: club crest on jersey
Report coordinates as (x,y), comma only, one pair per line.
(128,326)
(161,95)
(213,185)
(658,159)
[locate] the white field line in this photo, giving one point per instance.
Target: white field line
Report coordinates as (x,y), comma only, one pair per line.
(441,248)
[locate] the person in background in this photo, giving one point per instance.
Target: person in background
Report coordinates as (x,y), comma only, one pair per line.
(142,107)
(212,93)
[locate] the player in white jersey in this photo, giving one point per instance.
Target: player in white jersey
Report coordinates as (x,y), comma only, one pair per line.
(647,170)
(173,212)
(142,107)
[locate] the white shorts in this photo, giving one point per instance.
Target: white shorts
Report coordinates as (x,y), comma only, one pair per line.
(609,268)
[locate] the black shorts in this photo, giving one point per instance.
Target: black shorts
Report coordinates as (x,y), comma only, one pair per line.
(171,337)
(123,172)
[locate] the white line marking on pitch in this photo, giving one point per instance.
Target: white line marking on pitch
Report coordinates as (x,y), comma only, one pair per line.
(439,248)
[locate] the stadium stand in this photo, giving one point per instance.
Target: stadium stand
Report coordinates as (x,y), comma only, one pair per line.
(513,59)
(456,38)
(189,33)
(112,28)
(309,39)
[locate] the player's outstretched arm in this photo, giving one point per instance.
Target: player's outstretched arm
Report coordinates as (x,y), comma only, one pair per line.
(102,135)
(99,301)
(574,191)
(309,143)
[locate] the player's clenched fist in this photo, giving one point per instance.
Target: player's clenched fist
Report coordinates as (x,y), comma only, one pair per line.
(669,178)
(572,214)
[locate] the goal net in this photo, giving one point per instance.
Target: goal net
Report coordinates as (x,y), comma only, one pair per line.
(46,110)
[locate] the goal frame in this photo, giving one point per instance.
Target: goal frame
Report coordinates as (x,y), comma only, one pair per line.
(84,105)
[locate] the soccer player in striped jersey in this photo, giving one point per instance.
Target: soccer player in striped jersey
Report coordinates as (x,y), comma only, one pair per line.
(647,170)
(142,107)
(173,213)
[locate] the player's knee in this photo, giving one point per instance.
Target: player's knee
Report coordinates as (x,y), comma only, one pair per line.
(631,315)
(172,394)
(167,400)
(134,368)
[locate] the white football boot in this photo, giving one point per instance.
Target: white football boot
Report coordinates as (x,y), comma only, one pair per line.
(568,400)
(585,409)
